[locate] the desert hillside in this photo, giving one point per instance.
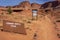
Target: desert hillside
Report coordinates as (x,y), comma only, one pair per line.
(41,21)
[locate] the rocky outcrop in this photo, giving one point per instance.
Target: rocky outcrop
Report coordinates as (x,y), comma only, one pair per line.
(22,4)
(50,4)
(35,5)
(53,8)
(25,4)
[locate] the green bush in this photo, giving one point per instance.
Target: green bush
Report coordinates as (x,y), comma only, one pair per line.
(9,10)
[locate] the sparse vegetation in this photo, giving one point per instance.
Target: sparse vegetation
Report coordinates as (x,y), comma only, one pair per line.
(9,10)
(2,13)
(36,25)
(29,22)
(58,35)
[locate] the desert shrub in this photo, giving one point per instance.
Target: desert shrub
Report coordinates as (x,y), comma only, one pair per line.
(58,35)
(9,10)
(2,13)
(28,21)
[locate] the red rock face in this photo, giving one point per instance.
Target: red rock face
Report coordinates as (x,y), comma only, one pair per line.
(55,12)
(55,5)
(25,4)
(35,5)
(46,28)
(51,4)
(22,4)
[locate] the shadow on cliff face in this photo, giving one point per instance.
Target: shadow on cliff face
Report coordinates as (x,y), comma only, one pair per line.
(51,3)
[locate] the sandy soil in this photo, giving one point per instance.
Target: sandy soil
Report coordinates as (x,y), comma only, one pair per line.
(41,29)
